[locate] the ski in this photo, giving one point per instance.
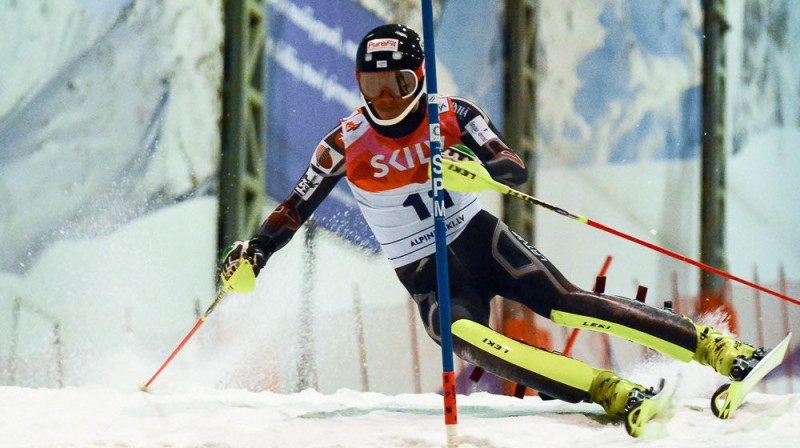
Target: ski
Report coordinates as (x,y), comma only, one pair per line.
(730,396)
(653,403)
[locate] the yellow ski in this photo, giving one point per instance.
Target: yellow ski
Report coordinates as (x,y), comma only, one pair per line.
(730,396)
(637,417)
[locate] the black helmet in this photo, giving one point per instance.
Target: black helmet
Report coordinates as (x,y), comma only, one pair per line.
(390,47)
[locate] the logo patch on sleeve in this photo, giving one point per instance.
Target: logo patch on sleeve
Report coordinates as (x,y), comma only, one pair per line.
(353,128)
(326,158)
(308,183)
(480,130)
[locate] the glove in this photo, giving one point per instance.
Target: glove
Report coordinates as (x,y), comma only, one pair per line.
(251,250)
(459,153)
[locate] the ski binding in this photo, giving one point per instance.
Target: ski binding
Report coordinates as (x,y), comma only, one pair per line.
(647,406)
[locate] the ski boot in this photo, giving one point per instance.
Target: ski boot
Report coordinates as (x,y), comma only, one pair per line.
(724,354)
(616,395)
(636,404)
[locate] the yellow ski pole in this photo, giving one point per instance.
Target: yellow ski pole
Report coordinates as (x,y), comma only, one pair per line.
(243,280)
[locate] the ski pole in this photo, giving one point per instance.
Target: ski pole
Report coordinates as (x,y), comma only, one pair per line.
(440,231)
(242,280)
(471,176)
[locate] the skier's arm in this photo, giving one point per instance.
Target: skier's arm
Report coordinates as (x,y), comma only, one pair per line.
(324,171)
(480,135)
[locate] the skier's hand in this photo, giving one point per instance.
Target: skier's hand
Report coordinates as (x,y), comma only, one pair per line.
(459,153)
(251,250)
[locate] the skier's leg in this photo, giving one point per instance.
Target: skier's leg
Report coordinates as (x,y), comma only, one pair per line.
(661,330)
(558,376)
(419,278)
(525,275)
(555,375)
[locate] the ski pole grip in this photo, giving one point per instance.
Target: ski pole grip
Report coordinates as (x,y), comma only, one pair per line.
(243,279)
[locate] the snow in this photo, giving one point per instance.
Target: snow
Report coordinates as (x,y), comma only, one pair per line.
(108,417)
(181,410)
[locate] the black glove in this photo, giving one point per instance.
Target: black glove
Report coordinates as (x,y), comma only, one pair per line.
(459,153)
(251,250)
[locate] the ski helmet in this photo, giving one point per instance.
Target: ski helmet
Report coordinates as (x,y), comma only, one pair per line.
(391,48)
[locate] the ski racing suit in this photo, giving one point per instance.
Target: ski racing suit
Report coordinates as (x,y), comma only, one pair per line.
(387,170)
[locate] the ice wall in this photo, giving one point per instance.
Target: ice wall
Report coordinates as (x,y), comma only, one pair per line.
(94,129)
(619,124)
(763,147)
(619,134)
(108,115)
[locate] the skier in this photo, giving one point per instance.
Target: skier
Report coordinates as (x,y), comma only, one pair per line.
(382,150)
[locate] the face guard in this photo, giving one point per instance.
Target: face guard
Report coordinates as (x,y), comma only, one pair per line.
(399,83)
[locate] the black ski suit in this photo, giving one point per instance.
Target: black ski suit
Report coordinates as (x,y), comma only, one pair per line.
(387,170)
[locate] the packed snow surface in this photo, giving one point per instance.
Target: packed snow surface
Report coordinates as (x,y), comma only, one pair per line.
(106,417)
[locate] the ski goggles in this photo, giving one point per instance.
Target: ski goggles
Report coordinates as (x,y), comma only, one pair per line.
(399,83)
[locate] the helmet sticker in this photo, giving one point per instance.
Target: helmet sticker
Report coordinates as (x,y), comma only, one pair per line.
(383,45)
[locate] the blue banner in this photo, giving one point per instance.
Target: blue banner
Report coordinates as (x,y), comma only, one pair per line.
(310,85)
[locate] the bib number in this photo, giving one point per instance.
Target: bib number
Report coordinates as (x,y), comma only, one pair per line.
(415,200)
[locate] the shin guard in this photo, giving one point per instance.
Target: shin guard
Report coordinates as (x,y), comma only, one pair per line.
(558,376)
(661,330)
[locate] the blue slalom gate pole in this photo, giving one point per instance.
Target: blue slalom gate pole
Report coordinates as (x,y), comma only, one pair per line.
(440,232)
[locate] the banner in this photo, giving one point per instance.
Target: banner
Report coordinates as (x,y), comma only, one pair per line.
(310,85)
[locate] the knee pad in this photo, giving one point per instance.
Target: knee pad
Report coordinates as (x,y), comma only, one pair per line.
(428,312)
(459,309)
(514,254)
(531,279)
